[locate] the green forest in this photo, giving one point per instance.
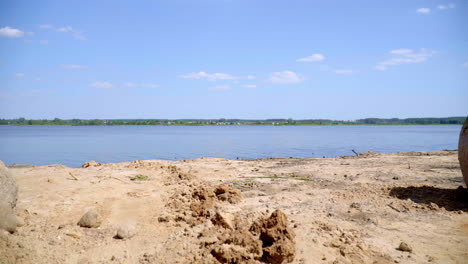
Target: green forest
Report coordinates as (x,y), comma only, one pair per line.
(229,122)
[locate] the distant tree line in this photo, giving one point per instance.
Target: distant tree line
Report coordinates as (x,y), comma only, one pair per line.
(229,122)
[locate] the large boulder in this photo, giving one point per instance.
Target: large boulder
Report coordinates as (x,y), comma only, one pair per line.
(8,188)
(463,151)
(8,198)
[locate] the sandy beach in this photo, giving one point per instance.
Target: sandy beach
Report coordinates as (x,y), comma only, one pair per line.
(351,209)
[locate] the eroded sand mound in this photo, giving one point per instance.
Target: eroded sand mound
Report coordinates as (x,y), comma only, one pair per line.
(230,237)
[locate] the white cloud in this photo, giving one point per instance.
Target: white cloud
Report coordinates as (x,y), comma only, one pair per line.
(344,72)
(65,29)
(46,26)
(444,7)
(405,58)
(140,85)
(285,77)
(251,86)
(220,88)
(401,51)
(424,10)
(312,58)
(77,34)
(20,75)
(102,85)
(9,32)
(380,67)
(208,76)
(74,66)
(35,92)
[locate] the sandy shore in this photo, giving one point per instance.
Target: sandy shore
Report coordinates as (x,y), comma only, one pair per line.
(355,209)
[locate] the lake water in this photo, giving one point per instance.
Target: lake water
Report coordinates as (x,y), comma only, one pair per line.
(72,146)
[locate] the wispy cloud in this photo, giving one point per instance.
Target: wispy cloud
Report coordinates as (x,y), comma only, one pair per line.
(401,51)
(251,86)
(405,56)
(76,34)
(208,76)
(285,77)
(8,32)
(74,66)
(44,42)
(344,72)
(102,85)
(140,85)
(312,58)
(465,64)
(220,88)
(424,10)
(46,26)
(444,7)
(36,92)
(20,75)
(251,77)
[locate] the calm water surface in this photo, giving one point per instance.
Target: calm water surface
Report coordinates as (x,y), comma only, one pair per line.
(73,146)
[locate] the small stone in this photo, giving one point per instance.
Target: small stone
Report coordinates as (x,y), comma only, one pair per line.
(355,205)
(223,219)
(19,221)
(7,219)
(405,247)
(163,218)
(125,231)
(73,234)
(91,164)
(433,206)
(91,219)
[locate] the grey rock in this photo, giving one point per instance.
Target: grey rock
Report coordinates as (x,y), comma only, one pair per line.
(7,218)
(8,188)
(8,198)
(91,219)
(405,247)
(19,221)
(125,231)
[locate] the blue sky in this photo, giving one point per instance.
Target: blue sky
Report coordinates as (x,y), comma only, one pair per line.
(233,59)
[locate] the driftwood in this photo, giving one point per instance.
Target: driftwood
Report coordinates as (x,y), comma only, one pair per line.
(73,176)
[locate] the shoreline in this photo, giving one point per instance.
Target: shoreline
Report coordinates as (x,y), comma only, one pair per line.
(350,209)
(246,125)
(363,154)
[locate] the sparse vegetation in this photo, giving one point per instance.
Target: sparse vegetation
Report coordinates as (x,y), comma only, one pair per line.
(140,177)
